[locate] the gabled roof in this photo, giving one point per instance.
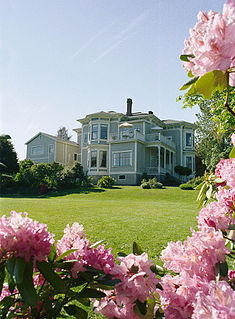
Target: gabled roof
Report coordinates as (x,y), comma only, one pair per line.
(176,122)
(52,137)
(103,114)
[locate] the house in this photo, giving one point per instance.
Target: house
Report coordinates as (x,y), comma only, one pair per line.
(46,148)
(125,146)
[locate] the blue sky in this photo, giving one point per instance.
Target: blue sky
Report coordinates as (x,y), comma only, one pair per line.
(63,59)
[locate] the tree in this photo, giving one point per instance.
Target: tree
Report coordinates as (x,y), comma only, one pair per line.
(63,133)
(214,127)
(8,156)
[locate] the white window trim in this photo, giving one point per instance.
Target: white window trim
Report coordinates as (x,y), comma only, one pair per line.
(185,141)
(42,152)
(126,151)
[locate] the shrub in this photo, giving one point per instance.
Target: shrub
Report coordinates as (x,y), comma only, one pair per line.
(183,170)
(7,184)
(151,183)
(185,187)
(106,182)
(194,182)
(170,180)
(145,185)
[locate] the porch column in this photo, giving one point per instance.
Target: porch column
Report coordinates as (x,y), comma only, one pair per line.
(159,160)
(165,158)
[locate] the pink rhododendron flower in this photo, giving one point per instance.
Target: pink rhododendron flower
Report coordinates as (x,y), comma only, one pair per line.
(215,214)
(109,308)
(100,258)
(212,42)
(137,279)
(219,303)
(74,238)
(25,238)
(225,169)
(179,294)
(198,255)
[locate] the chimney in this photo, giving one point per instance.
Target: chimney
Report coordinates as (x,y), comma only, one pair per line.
(129,107)
(150,112)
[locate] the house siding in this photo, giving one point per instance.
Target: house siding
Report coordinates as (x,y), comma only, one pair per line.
(44,142)
(65,153)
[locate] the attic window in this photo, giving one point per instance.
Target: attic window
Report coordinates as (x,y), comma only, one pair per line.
(40,137)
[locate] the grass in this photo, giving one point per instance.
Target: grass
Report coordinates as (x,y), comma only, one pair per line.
(121,215)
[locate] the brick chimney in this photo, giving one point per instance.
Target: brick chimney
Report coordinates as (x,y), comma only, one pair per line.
(129,107)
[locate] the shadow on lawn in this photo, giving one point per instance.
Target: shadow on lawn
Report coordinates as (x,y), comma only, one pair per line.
(55,193)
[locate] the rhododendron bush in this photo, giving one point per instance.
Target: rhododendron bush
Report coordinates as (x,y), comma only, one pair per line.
(40,278)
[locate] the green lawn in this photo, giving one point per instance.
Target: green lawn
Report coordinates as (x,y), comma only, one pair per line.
(152,217)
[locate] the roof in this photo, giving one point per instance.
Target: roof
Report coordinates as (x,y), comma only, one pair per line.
(170,122)
(53,137)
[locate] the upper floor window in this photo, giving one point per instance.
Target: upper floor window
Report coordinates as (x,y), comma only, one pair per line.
(94,132)
(188,139)
(85,137)
(122,159)
(75,156)
(103,131)
(37,150)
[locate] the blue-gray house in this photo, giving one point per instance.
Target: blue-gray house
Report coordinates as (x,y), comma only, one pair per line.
(125,146)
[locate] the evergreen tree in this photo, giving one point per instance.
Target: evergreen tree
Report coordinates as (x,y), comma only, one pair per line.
(8,156)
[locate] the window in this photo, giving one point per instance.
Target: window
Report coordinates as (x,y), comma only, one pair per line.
(93,158)
(189,162)
(188,139)
(85,137)
(122,159)
(103,159)
(94,132)
(125,131)
(75,156)
(51,148)
(137,127)
(37,150)
(40,137)
(103,131)
(122,177)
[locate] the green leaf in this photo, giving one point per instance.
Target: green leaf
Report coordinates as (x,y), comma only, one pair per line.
(10,264)
(2,276)
(76,312)
(199,186)
(26,288)
(66,253)
(231,227)
(137,250)
(90,293)
(208,83)
(189,83)
(223,269)
(134,269)
(158,270)
(142,307)
(19,270)
(54,279)
(107,280)
(121,254)
(232,153)
(190,74)
(184,57)
(5,304)
(52,255)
